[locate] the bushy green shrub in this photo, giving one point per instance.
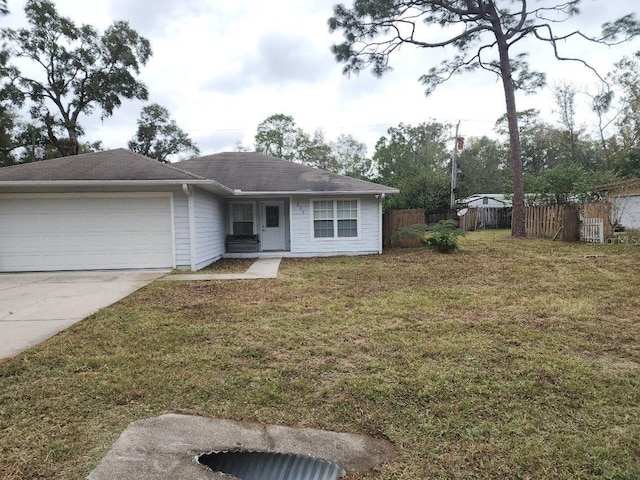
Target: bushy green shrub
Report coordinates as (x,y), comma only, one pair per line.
(443,236)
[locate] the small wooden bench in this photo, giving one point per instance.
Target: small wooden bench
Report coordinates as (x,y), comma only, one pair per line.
(242,243)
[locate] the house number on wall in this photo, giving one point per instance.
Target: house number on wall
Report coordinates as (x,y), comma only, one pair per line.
(300,208)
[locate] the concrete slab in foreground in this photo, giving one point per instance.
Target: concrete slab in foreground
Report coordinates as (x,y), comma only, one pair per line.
(166,447)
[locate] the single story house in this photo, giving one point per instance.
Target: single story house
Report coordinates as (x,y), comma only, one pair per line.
(117,209)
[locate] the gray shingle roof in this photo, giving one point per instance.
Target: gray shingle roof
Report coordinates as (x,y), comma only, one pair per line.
(256,172)
(237,171)
(110,165)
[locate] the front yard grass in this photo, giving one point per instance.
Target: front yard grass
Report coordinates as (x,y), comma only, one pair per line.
(509,359)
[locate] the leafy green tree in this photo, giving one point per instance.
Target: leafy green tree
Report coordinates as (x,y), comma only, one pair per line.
(279,136)
(240,147)
(627,142)
(351,157)
(483,167)
(414,159)
(7,133)
(314,151)
(408,150)
(159,137)
(429,190)
(20,141)
(82,70)
(559,184)
(546,146)
(483,32)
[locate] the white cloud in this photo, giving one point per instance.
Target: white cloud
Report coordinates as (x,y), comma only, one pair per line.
(278,60)
(222,67)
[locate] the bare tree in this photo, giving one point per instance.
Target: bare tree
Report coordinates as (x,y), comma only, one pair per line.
(482,31)
(601,105)
(564,94)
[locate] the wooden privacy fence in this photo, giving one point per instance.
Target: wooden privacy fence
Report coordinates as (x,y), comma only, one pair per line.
(485,217)
(558,222)
(394,220)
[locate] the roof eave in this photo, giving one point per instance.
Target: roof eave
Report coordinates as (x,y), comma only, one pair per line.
(115,183)
(242,193)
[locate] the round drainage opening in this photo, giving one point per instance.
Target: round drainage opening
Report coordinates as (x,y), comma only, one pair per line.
(271,466)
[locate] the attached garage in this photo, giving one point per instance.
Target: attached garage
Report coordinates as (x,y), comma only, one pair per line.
(46,232)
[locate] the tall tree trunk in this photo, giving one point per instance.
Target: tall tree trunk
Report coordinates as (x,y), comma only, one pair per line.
(517,219)
(74,147)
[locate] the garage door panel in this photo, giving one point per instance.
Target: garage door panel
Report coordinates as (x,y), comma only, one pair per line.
(628,210)
(83,233)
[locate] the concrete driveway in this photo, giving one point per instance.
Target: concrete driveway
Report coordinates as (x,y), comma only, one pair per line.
(36,306)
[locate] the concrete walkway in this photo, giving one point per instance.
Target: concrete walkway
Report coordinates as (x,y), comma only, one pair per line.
(261,268)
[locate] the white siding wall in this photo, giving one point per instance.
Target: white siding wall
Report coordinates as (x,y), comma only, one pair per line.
(181,226)
(303,243)
(491,203)
(210,228)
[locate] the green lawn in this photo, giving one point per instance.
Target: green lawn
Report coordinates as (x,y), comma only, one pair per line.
(509,359)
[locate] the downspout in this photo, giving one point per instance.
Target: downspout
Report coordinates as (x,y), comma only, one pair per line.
(380,198)
(192,225)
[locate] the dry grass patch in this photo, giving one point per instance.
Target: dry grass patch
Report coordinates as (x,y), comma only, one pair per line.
(224,265)
(509,359)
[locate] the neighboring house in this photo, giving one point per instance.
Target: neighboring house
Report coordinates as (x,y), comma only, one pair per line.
(118,209)
(486,200)
(624,198)
(485,210)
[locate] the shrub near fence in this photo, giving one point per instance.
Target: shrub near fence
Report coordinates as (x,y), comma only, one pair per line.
(393,220)
(433,218)
(558,222)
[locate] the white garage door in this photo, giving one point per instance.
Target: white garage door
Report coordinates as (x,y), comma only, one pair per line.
(627,210)
(85,232)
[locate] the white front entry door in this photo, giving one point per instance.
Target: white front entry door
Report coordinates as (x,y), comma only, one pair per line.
(273,227)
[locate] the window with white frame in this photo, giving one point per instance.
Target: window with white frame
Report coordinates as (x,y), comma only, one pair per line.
(335,218)
(242,218)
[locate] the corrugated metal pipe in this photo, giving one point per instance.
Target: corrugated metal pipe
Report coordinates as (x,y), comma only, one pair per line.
(271,466)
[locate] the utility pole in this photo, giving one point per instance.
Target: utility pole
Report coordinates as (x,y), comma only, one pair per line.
(454,168)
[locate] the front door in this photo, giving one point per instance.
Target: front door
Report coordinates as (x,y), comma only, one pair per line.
(273,228)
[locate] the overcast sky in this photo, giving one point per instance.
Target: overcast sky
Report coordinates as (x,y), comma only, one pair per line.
(221,67)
